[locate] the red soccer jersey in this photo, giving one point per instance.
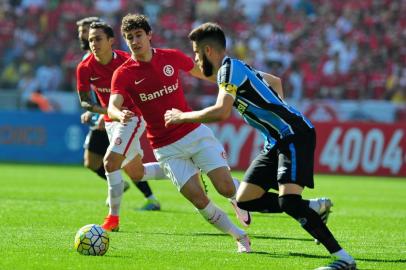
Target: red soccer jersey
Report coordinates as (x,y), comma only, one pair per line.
(154,87)
(90,73)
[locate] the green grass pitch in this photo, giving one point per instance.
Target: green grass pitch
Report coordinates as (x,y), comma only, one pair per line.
(42,207)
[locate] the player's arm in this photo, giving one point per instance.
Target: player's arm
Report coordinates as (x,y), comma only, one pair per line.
(274,81)
(115,109)
(218,112)
(87,103)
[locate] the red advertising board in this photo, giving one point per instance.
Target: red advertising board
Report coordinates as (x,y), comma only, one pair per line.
(342,147)
(361,148)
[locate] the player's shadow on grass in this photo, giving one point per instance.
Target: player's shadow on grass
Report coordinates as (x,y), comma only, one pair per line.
(252,236)
(356,258)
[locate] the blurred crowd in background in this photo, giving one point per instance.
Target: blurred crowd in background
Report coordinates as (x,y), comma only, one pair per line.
(322,49)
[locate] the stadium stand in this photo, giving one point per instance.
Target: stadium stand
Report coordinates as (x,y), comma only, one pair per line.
(338,49)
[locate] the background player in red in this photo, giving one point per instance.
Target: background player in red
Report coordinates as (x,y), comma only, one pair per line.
(96,141)
(151,79)
(96,71)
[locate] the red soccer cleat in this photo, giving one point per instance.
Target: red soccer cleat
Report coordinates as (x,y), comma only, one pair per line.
(111,223)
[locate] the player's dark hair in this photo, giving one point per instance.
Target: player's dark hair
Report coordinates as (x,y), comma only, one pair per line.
(107,29)
(88,21)
(135,21)
(210,33)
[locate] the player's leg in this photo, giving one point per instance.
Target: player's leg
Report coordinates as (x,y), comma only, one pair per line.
(295,171)
(260,177)
(95,145)
(124,146)
(209,155)
(112,165)
(152,171)
(193,191)
(228,186)
(254,192)
(136,171)
(185,175)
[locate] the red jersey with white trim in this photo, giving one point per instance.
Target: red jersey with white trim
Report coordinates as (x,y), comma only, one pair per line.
(155,87)
(91,73)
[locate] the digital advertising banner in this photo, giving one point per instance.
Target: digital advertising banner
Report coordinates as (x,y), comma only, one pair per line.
(357,148)
(37,137)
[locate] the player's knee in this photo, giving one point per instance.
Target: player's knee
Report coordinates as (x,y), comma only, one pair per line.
(227,190)
(137,176)
(291,205)
(110,165)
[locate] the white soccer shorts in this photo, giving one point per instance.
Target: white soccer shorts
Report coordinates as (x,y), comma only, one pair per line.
(197,150)
(125,139)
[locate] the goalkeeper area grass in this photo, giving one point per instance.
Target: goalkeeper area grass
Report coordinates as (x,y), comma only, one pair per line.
(42,207)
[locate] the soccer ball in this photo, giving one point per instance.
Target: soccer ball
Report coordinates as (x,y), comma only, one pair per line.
(92,240)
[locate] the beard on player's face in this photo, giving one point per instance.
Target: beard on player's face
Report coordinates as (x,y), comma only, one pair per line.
(84,44)
(207,66)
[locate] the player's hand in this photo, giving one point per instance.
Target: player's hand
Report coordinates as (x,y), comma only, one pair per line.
(86,117)
(100,122)
(173,117)
(126,116)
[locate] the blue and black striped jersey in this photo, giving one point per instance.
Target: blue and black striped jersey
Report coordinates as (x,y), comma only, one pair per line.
(258,103)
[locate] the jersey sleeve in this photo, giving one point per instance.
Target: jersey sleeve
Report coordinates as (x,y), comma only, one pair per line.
(82,78)
(183,61)
(229,77)
(119,83)
(224,83)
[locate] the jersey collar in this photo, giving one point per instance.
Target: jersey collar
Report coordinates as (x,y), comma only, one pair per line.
(224,59)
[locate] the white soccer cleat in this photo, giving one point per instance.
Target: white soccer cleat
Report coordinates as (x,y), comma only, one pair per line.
(244,244)
(243,215)
(324,211)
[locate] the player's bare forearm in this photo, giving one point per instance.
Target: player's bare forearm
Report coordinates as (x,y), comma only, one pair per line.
(218,112)
(87,103)
(115,110)
(275,82)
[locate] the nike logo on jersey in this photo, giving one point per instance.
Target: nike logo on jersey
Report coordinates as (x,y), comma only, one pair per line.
(94,78)
(138,82)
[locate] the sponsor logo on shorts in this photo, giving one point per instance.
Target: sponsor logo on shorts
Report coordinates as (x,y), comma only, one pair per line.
(118,141)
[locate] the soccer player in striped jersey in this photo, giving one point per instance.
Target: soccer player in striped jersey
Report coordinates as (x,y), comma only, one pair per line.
(286,163)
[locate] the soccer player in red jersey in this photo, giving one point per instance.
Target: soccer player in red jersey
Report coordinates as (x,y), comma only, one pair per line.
(151,79)
(96,141)
(124,150)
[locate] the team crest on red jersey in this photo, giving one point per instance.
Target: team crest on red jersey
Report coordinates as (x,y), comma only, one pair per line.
(168,70)
(118,141)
